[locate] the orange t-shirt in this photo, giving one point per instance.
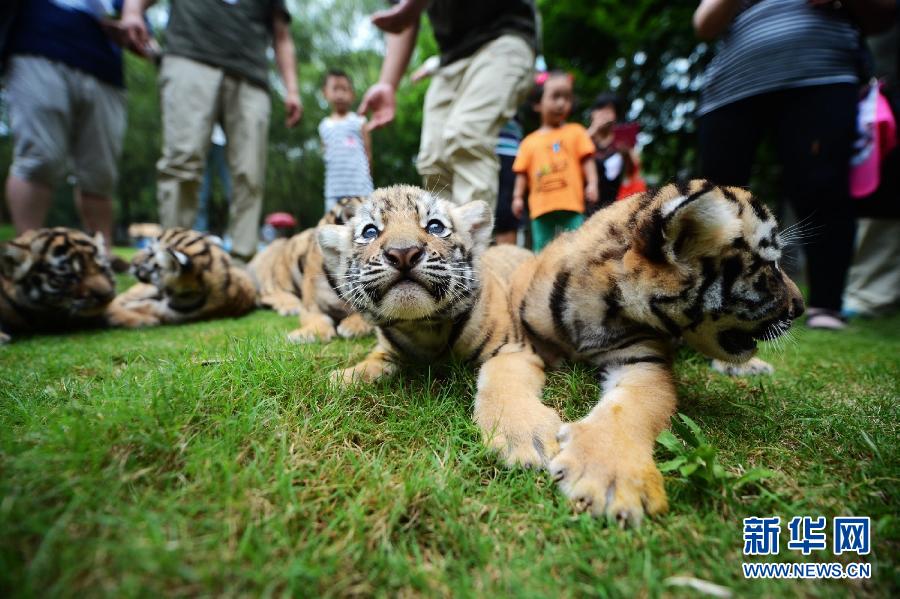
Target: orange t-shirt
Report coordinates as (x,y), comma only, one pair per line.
(552,160)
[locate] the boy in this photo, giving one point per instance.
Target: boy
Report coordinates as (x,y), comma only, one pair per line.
(555,163)
(345,142)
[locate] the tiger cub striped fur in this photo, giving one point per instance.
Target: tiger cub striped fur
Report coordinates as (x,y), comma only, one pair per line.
(184,276)
(419,269)
(53,280)
(291,279)
(696,262)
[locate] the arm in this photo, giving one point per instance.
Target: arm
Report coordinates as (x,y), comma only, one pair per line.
(518,201)
(283,44)
(873,16)
(381,97)
(713,17)
(589,169)
(367,143)
(136,36)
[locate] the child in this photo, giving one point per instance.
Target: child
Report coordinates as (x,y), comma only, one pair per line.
(555,163)
(345,141)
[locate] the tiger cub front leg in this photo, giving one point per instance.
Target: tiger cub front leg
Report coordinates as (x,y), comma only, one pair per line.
(354,326)
(376,365)
(314,326)
(605,463)
(509,412)
(286,304)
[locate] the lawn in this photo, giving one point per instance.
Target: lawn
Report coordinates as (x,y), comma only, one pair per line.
(215,459)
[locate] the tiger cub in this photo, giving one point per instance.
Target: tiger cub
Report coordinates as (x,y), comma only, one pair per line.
(419,269)
(696,262)
(184,276)
(291,279)
(53,280)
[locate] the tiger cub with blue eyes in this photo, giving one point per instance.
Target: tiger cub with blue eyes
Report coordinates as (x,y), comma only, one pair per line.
(291,279)
(53,280)
(419,269)
(184,276)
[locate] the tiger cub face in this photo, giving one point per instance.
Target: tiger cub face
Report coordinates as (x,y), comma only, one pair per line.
(175,261)
(724,246)
(59,271)
(407,255)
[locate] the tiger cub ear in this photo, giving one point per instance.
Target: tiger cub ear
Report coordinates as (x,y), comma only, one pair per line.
(15,261)
(174,260)
(476,218)
(333,241)
(687,227)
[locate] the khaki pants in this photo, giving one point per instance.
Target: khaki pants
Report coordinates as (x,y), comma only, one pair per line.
(194,96)
(466,104)
(873,283)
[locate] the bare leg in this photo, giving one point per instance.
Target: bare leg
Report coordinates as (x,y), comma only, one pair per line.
(96,214)
(28,203)
(507,237)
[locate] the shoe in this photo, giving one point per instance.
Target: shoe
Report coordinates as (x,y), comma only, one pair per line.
(826,320)
(118,264)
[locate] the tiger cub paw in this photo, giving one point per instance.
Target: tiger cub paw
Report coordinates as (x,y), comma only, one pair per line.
(354,326)
(752,367)
(523,438)
(312,333)
(366,371)
(607,475)
(132,318)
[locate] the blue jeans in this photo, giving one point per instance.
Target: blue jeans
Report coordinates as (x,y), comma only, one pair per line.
(216,164)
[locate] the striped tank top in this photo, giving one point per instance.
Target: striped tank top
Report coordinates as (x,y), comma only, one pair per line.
(781,44)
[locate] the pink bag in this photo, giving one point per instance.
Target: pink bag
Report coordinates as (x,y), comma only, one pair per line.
(876,136)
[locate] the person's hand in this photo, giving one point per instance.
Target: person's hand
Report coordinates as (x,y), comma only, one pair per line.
(293,109)
(132,31)
(518,207)
(427,69)
(591,193)
(381,100)
(399,17)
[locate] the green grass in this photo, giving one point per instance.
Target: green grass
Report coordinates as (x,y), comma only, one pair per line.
(214,459)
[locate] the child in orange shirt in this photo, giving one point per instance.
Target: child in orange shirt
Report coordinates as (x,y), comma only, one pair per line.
(555,163)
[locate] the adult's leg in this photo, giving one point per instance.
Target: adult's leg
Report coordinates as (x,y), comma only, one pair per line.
(98,133)
(815,128)
(493,85)
(431,162)
(246,110)
(28,203)
(728,138)
(40,116)
(189,92)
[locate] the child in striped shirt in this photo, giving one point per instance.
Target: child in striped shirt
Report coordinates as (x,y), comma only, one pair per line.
(345,142)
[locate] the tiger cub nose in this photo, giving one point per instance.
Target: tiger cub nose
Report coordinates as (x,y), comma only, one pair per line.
(404,258)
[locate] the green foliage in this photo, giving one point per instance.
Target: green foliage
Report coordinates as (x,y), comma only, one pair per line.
(696,461)
(215,459)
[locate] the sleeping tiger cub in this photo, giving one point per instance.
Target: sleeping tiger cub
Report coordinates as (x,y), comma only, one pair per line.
(53,280)
(420,270)
(185,276)
(292,280)
(697,262)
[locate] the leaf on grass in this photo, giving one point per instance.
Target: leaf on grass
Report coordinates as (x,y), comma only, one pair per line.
(670,442)
(752,476)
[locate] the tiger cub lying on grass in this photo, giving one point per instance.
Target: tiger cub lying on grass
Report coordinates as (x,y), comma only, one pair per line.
(292,280)
(185,276)
(420,270)
(53,280)
(697,262)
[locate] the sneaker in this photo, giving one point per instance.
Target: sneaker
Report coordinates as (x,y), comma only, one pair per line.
(826,320)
